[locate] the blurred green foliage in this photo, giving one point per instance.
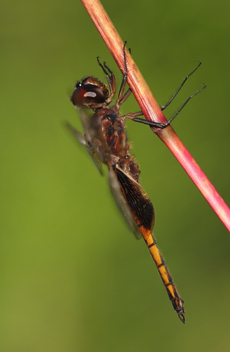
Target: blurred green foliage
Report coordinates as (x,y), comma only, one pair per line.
(72,277)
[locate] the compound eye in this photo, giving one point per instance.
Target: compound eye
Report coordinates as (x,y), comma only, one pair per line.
(88,95)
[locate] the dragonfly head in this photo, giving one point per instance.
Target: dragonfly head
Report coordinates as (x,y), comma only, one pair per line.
(90,93)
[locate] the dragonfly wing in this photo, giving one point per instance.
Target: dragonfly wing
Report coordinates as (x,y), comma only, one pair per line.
(78,135)
(95,158)
(132,200)
(82,140)
(115,188)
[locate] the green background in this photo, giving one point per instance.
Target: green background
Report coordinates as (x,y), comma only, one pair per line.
(72,276)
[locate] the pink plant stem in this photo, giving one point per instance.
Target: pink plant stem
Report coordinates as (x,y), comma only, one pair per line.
(152,111)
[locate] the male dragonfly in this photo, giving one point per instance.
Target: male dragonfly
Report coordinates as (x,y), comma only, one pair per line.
(105,139)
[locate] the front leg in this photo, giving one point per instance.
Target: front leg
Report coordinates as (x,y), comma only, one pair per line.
(133,117)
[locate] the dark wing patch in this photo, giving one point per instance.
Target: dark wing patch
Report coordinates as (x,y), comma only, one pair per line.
(137,199)
(132,200)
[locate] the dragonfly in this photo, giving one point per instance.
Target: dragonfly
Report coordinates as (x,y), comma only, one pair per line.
(105,139)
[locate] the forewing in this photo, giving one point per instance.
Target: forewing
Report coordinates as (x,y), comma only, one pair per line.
(132,200)
(82,140)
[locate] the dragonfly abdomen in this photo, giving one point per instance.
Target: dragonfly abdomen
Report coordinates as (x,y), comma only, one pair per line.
(166,277)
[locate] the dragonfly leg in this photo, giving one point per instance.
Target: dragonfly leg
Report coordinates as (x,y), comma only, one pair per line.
(133,116)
